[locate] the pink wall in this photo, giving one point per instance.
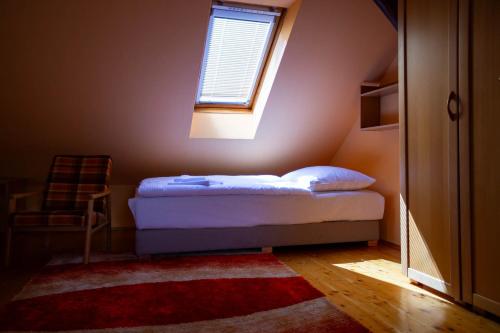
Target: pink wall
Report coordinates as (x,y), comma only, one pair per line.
(120,77)
(376,153)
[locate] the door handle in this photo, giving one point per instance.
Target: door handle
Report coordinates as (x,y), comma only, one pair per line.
(452,96)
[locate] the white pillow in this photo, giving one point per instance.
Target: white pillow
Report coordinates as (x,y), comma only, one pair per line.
(328,178)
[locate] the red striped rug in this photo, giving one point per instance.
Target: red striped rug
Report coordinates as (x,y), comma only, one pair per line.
(224,293)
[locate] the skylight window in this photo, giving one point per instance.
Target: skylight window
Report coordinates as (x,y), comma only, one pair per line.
(236,49)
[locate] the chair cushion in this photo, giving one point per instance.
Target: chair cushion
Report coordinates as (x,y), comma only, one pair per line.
(73,178)
(53,218)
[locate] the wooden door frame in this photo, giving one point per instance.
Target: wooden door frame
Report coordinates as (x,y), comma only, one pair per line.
(454,156)
(403,140)
(464,126)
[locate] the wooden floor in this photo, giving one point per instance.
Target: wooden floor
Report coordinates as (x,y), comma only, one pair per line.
(365,282)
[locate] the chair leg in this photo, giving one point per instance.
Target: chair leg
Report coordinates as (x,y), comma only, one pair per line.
(88,232)
(109,226)
(108,237)
(8,246)
(88,243)
(88,236)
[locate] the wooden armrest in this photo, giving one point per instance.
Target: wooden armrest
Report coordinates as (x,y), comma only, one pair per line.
(99,195)
(17,196)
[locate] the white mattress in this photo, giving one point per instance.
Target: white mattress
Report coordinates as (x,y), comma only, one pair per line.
(219,211)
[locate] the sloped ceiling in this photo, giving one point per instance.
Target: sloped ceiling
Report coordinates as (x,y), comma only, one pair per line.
(120,76)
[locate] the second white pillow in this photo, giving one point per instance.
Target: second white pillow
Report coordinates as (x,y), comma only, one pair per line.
(329,178)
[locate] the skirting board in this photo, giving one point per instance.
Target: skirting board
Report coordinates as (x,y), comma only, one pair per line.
(486,304)
(150,241)
(429,281)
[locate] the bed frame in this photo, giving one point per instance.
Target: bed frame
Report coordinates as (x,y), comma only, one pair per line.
(156,241)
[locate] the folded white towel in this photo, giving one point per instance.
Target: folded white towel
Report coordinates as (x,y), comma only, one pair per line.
(189,179)
(193,182)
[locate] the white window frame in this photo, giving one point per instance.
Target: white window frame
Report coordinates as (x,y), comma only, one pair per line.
(241,12)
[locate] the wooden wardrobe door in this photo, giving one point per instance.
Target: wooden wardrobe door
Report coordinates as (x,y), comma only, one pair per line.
(485,150)
(432,144)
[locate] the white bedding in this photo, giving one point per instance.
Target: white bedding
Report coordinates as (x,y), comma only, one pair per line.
(247,210)
(223,185)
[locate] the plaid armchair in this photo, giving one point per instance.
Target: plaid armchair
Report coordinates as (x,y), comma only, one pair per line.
(76,198)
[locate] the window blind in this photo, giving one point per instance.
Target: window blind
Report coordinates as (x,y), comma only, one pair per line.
(235,51)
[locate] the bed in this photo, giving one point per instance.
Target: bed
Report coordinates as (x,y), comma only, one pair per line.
(203,213)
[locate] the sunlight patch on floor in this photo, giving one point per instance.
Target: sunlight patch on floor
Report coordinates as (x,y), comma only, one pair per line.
(386,271)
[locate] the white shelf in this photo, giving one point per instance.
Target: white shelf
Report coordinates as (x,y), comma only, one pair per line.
(381,127)
(385,90)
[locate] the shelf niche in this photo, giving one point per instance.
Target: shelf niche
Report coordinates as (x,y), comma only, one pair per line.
(379,107)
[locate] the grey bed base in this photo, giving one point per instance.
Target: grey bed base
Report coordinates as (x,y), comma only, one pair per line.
(157,241)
